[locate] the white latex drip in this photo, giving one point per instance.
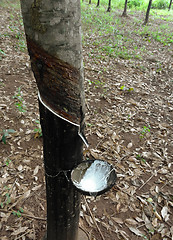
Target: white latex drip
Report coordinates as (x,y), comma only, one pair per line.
(77,125)
(95,177)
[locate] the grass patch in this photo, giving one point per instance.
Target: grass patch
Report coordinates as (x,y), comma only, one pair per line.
(14,29)
(15,4)
(109,34)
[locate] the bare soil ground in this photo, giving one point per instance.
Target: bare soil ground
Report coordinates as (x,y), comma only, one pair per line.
(133,130)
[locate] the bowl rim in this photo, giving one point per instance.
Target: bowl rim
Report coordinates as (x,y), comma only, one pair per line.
(101,191)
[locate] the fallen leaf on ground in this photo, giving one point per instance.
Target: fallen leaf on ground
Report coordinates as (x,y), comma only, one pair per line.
(18,231)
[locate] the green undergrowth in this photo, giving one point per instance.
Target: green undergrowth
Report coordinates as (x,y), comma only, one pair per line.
(132,4)
(161,33)
(109,34)
(119,4)
(15,4)
(163,15)
(14,29)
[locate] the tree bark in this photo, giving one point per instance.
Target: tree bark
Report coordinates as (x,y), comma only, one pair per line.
(125,9)
(109,6)
(98,3)
(62,151)
(89,1)
(147,13)
(53,35)
(169,8)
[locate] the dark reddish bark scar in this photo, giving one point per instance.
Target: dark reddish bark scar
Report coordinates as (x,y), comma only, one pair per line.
(57,81)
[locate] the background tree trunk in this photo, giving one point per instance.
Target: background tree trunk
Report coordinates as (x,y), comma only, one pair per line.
(98,3)
(147,13)
(109,6)
(89,1)
(169,8)
(53,34)
(125,9)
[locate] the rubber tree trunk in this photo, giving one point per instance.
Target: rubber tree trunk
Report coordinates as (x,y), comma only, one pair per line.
(147,13)
(109,6)
(125,9)
(98,3)
(62,150)
(53,35)
(169,8)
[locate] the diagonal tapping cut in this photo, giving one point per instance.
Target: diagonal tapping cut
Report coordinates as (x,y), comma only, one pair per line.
(58,83)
